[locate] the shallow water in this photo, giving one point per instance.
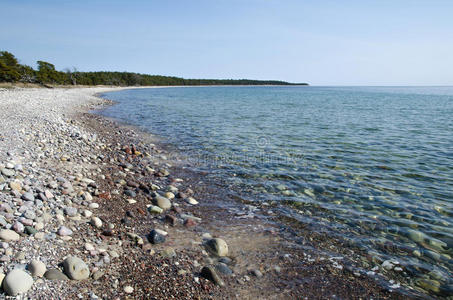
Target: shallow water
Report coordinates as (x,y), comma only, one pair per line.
(373,165)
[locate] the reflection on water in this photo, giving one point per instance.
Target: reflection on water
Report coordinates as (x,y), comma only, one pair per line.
(374,165)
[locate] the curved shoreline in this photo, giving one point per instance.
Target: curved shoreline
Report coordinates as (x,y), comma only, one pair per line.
(265,264)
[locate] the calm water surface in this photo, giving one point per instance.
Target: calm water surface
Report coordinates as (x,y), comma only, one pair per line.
(373,165)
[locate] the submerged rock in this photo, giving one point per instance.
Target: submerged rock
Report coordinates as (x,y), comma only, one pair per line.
(217,247)
(209,273)
(155,237)
(162,202)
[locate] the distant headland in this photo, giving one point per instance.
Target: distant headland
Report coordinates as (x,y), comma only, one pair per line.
(46,74)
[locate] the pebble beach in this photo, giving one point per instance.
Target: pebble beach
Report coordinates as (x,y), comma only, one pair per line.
(94,209)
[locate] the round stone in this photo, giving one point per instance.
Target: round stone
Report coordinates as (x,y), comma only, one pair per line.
(8,235)
(55,274)
(17,281)
(28,196)
(70,211)
(162,202)
(96,222)
(75,268)
(37,268)
(128,289)
(217,247)
(64,231)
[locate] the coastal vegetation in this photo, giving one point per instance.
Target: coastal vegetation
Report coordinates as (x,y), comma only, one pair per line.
(46,74)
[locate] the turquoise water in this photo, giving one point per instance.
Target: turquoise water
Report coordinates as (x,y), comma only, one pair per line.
(373,165)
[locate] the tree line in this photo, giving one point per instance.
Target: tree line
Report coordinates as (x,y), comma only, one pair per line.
(12,71)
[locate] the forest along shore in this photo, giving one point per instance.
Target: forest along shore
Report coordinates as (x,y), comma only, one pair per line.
(93,209)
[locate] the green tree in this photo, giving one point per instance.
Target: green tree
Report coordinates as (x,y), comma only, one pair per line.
(46,72)
(9,68)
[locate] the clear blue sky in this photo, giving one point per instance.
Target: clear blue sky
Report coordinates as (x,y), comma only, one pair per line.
(344,42)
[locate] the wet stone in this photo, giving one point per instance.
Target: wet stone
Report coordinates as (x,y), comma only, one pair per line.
(209,273)
(155,237)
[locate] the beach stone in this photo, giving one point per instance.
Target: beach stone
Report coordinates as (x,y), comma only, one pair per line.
(30,230)
(18,227)
(217,247)
(130,193)
(256,272)
(98,274)
(162,202)
(224,269)
(28,196)
(155,209)
(64,231)
(75,268)
(209,273)
(48,194)
(169,195)
(87,196)
(191,201)
(29,214)
(7,172)
(37,268)
(96,222)
(17,281)
(168,252)
(155,237)
(416,236)
(55,274)
(9,235)
(70,211)
(128,289)
(89,247)
(93,205)
(16,186)
(87,213)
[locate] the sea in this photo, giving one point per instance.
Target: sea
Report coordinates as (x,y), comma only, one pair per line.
(370,165)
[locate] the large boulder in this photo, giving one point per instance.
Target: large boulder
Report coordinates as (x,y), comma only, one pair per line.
(76,268)
(17,281)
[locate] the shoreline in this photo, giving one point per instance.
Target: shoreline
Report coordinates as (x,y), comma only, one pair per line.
(263,262)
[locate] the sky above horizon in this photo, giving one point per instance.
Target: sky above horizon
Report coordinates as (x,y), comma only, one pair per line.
(320,42)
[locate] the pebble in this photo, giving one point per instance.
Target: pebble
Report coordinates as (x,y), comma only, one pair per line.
(224,269)
(155,209)
(14,185)
(87,213)
(17,281)
(8,235)
(217,247)
(55,274)
(7,172)
(191,201)
(128,289)
(70,211)
(209,273)
(155,237)
(89,247)
(28,196)
(64,231)
(162,202)
(75,268)
(96,222)
(93,205)
(37,268)
(256,272)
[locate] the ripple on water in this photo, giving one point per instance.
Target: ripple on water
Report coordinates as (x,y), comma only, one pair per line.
(373,165)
